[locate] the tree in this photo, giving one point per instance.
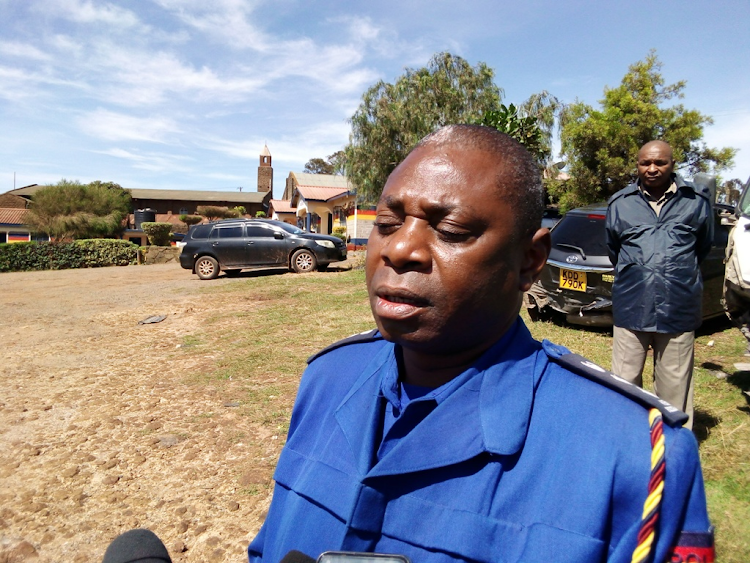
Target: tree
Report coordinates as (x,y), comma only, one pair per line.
(731,190)
(190,220)
(523,128)
(318,166)
(601,146)
(70,210)
(545,109)
(213,212)
(392,118)
(334,164)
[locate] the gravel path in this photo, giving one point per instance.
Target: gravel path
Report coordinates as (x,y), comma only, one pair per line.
(102,430)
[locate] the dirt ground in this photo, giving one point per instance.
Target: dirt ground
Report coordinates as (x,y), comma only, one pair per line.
(101,433)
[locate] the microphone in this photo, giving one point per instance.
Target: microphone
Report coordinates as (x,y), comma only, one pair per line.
(137,546)
(295,556)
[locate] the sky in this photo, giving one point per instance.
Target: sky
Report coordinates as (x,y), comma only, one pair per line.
(183,94)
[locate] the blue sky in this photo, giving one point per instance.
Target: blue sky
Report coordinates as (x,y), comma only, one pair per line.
(184,93)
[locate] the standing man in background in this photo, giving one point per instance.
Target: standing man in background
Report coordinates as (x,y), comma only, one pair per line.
(659,229)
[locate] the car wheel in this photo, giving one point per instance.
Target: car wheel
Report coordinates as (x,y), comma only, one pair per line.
(206,267)
(232,273)
(303,261)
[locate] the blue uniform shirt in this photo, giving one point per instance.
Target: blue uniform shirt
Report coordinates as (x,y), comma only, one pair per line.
(516,459)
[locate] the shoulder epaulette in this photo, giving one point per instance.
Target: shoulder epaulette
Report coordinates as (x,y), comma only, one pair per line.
(367,336)
(588,369)
(629,189)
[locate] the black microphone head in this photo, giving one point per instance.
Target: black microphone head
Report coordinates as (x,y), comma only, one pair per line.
(137,546)
(295,556)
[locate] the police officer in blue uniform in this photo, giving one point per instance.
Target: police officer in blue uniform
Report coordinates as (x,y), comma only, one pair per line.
(449,433)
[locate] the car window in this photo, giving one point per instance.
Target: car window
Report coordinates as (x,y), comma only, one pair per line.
(721,232)
(583,231)
(744,204)
(200,231)
(291,228)
(227,232)
(255,231)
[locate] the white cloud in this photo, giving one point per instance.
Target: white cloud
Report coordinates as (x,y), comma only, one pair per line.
(319,140)
(154,162)
(111,126)
(17,84)
(87,12)
(22,50)
(225,21)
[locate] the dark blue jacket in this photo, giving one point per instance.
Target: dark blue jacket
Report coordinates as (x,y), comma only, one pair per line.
(516,460)
(658,284)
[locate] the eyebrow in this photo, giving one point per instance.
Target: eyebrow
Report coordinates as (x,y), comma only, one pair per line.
(392,202)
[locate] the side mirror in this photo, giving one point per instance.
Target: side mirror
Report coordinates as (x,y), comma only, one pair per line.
(278,235)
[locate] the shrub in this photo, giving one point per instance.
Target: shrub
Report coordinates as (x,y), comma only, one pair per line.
(213,212)
(158,233)
(190,220)
(260,214)
(339,232)
(86,253)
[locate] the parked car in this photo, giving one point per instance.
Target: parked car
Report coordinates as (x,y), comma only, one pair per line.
(232,245)
(177,239)
(551,217)
(737,275)
(576,282)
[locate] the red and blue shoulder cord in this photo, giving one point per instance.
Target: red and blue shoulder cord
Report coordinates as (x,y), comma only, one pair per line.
(652,506)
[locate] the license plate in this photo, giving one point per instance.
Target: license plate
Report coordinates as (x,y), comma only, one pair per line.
(571,279)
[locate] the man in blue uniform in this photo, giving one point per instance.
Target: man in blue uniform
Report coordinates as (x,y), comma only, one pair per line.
(449,434)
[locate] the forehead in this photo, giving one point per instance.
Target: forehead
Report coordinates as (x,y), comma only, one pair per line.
(656,151)
(445,175)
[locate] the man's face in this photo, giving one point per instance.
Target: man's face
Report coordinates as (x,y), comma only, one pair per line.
(444,273)
(655,165)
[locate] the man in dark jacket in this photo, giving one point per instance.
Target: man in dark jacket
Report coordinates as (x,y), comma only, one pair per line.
(659,229)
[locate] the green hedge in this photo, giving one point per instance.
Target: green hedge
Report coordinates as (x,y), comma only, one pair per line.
(158,233)
(87,253)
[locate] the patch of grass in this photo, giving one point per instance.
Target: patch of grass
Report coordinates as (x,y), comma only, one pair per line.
(262,329)
(190,340)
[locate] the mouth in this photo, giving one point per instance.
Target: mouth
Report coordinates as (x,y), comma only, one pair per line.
(398,303)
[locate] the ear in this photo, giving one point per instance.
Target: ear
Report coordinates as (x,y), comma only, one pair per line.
(534,259)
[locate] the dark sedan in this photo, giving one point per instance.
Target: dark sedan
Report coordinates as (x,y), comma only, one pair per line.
(576,283)
(232,245)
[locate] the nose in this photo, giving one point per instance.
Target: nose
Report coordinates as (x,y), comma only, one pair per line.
(408,248)
(652,168)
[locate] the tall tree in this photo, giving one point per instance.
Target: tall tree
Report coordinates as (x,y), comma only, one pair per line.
(392,118)
(545,109)
(523,128)
(600,146)
(70,209)
(333,164)
(318,166)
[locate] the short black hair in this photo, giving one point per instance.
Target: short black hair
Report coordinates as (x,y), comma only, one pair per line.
(519,180)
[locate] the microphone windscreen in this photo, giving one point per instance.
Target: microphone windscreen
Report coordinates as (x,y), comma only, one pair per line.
(295,556)
(137,546)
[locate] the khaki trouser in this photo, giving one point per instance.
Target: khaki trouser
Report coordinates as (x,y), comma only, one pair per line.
(673,364)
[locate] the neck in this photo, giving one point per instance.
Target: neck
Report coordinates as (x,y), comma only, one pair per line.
(657,192)
(428,368)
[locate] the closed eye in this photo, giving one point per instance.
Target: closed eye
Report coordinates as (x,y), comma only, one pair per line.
(386,227)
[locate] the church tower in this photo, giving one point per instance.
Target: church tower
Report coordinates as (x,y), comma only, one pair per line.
(265,171)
